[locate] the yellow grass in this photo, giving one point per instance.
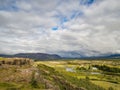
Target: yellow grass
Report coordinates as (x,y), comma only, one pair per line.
(106,85)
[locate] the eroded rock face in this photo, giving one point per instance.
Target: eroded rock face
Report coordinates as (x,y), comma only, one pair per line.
(16,61)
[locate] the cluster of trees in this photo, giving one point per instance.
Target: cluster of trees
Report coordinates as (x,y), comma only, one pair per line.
(107,68)
(84,68)
(81,68)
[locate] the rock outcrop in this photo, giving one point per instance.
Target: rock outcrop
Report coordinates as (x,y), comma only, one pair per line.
(16,61)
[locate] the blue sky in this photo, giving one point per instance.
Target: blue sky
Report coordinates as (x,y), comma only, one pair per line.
(66,27)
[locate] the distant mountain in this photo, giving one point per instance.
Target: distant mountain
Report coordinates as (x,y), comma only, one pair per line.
(44,56)
(36,56)
(113,56)
(104,56)
(109,56)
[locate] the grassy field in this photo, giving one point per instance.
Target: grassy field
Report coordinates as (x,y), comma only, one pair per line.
(94,75)
(106,85)
(61,75)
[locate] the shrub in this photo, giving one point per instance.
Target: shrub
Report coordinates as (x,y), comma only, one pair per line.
(110,88)
(34,82)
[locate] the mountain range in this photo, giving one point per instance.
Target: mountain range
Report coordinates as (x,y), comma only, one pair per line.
(45,56)
(36,56)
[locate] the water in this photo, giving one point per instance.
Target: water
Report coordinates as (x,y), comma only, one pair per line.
(68,69)
(95,73)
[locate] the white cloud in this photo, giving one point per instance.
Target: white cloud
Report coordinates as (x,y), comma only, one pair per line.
(82,29)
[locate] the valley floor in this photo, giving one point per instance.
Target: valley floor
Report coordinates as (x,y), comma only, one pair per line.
(62,75)
(85,70)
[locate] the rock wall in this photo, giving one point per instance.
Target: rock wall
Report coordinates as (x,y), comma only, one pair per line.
(16,61)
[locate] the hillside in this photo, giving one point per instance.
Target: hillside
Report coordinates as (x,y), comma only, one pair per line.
(27,76)
(36,56)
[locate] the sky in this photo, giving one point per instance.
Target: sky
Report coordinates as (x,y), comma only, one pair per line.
(70,28)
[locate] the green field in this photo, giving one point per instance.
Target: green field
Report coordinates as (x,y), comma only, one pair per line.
(62,75)
(104,79)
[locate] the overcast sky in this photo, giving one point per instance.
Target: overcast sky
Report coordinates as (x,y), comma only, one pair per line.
(64,27)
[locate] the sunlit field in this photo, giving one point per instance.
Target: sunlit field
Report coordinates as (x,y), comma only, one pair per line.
(24,74)
(85,69)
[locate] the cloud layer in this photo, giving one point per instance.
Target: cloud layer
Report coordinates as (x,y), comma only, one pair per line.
(66,27)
